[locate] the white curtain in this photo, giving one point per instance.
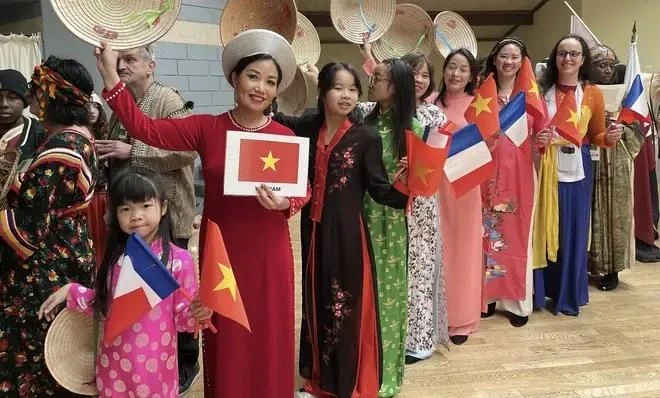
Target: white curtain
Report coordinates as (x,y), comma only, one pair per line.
(20,52)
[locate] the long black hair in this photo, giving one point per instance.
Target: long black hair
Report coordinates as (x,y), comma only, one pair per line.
(61,111)
(134,184)
(474,74)
(404,103)
(417,60)
(551,75)
(245,61)
(490,60)
(327,81)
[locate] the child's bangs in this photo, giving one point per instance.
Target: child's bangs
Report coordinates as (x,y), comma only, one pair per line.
(132,187)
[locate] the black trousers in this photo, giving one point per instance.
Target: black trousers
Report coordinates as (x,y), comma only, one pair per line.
(188,345)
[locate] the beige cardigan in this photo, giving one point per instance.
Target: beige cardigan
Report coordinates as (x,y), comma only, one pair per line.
(176,168)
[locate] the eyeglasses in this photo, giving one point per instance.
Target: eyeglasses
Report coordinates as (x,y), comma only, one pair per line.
(572,54)
(605,65)
(373,79)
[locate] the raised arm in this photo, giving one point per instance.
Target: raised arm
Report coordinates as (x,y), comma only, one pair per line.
(175,134)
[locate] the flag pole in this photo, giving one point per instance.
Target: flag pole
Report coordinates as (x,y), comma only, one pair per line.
(633,39)
(584,24)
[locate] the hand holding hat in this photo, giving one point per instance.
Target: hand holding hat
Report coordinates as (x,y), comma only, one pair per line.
(106,63)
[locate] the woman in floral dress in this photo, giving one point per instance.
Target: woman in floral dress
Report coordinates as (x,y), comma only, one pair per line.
(340,348)
(508,200)
(44,236)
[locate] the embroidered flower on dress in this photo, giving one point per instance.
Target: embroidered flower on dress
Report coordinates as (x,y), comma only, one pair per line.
(341,166)
(339,310)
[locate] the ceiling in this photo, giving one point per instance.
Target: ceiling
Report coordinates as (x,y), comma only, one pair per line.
(490,19)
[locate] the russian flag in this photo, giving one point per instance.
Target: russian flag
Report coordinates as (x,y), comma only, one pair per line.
(142,284)
(634,106)
(469,162)
(513,120)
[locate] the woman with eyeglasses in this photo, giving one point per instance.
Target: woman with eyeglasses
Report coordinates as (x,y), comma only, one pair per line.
(461,220)
(391,112)
(561,228)
(427,307)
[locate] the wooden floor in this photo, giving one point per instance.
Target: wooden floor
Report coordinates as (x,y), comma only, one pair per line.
(611,349)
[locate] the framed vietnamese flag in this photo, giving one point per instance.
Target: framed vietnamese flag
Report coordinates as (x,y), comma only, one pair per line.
(279,161)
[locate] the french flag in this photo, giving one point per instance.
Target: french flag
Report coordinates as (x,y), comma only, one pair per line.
(142,284)
(634,106)
(513,120)
(469,162)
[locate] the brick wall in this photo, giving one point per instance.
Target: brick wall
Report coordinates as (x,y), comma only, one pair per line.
(194,69)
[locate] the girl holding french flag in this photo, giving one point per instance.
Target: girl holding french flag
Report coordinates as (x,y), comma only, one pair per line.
(138,354)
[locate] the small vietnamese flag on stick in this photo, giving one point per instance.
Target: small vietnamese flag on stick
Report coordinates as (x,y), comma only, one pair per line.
(526,82)
(218,287)
(566,120)
(424,166)
(484,109)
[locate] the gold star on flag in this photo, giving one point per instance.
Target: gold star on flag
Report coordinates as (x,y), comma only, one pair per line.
(228,280)
(269,161)
(535,87)
(421,172)
(575,119)
(481,104)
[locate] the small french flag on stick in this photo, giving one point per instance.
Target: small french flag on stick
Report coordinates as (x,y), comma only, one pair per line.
(142,284)
(513,120)
(469,162)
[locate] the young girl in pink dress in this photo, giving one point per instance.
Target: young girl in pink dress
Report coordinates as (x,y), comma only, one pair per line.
(142,360)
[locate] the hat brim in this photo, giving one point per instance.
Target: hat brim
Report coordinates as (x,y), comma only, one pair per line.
(261,41)
(453,32)
(69,351)
(123,24)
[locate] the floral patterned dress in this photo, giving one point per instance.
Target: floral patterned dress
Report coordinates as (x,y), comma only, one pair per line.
(142,361)
(389,236)
(508,204)
(340,348)
(44,244)
(427,306)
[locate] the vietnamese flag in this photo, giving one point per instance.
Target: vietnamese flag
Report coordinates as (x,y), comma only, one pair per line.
(566,120)
(268,161)
(218,288)
(484,111)
(526,82)
(425,166)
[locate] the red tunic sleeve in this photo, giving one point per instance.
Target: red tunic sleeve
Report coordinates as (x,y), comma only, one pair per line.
(184,134)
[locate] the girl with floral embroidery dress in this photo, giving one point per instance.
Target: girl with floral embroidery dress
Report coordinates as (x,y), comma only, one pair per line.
(142,360)
(340,348)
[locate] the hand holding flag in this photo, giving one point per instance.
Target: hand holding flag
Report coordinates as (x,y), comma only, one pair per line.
(142,284)
(484,109)
(567,119)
